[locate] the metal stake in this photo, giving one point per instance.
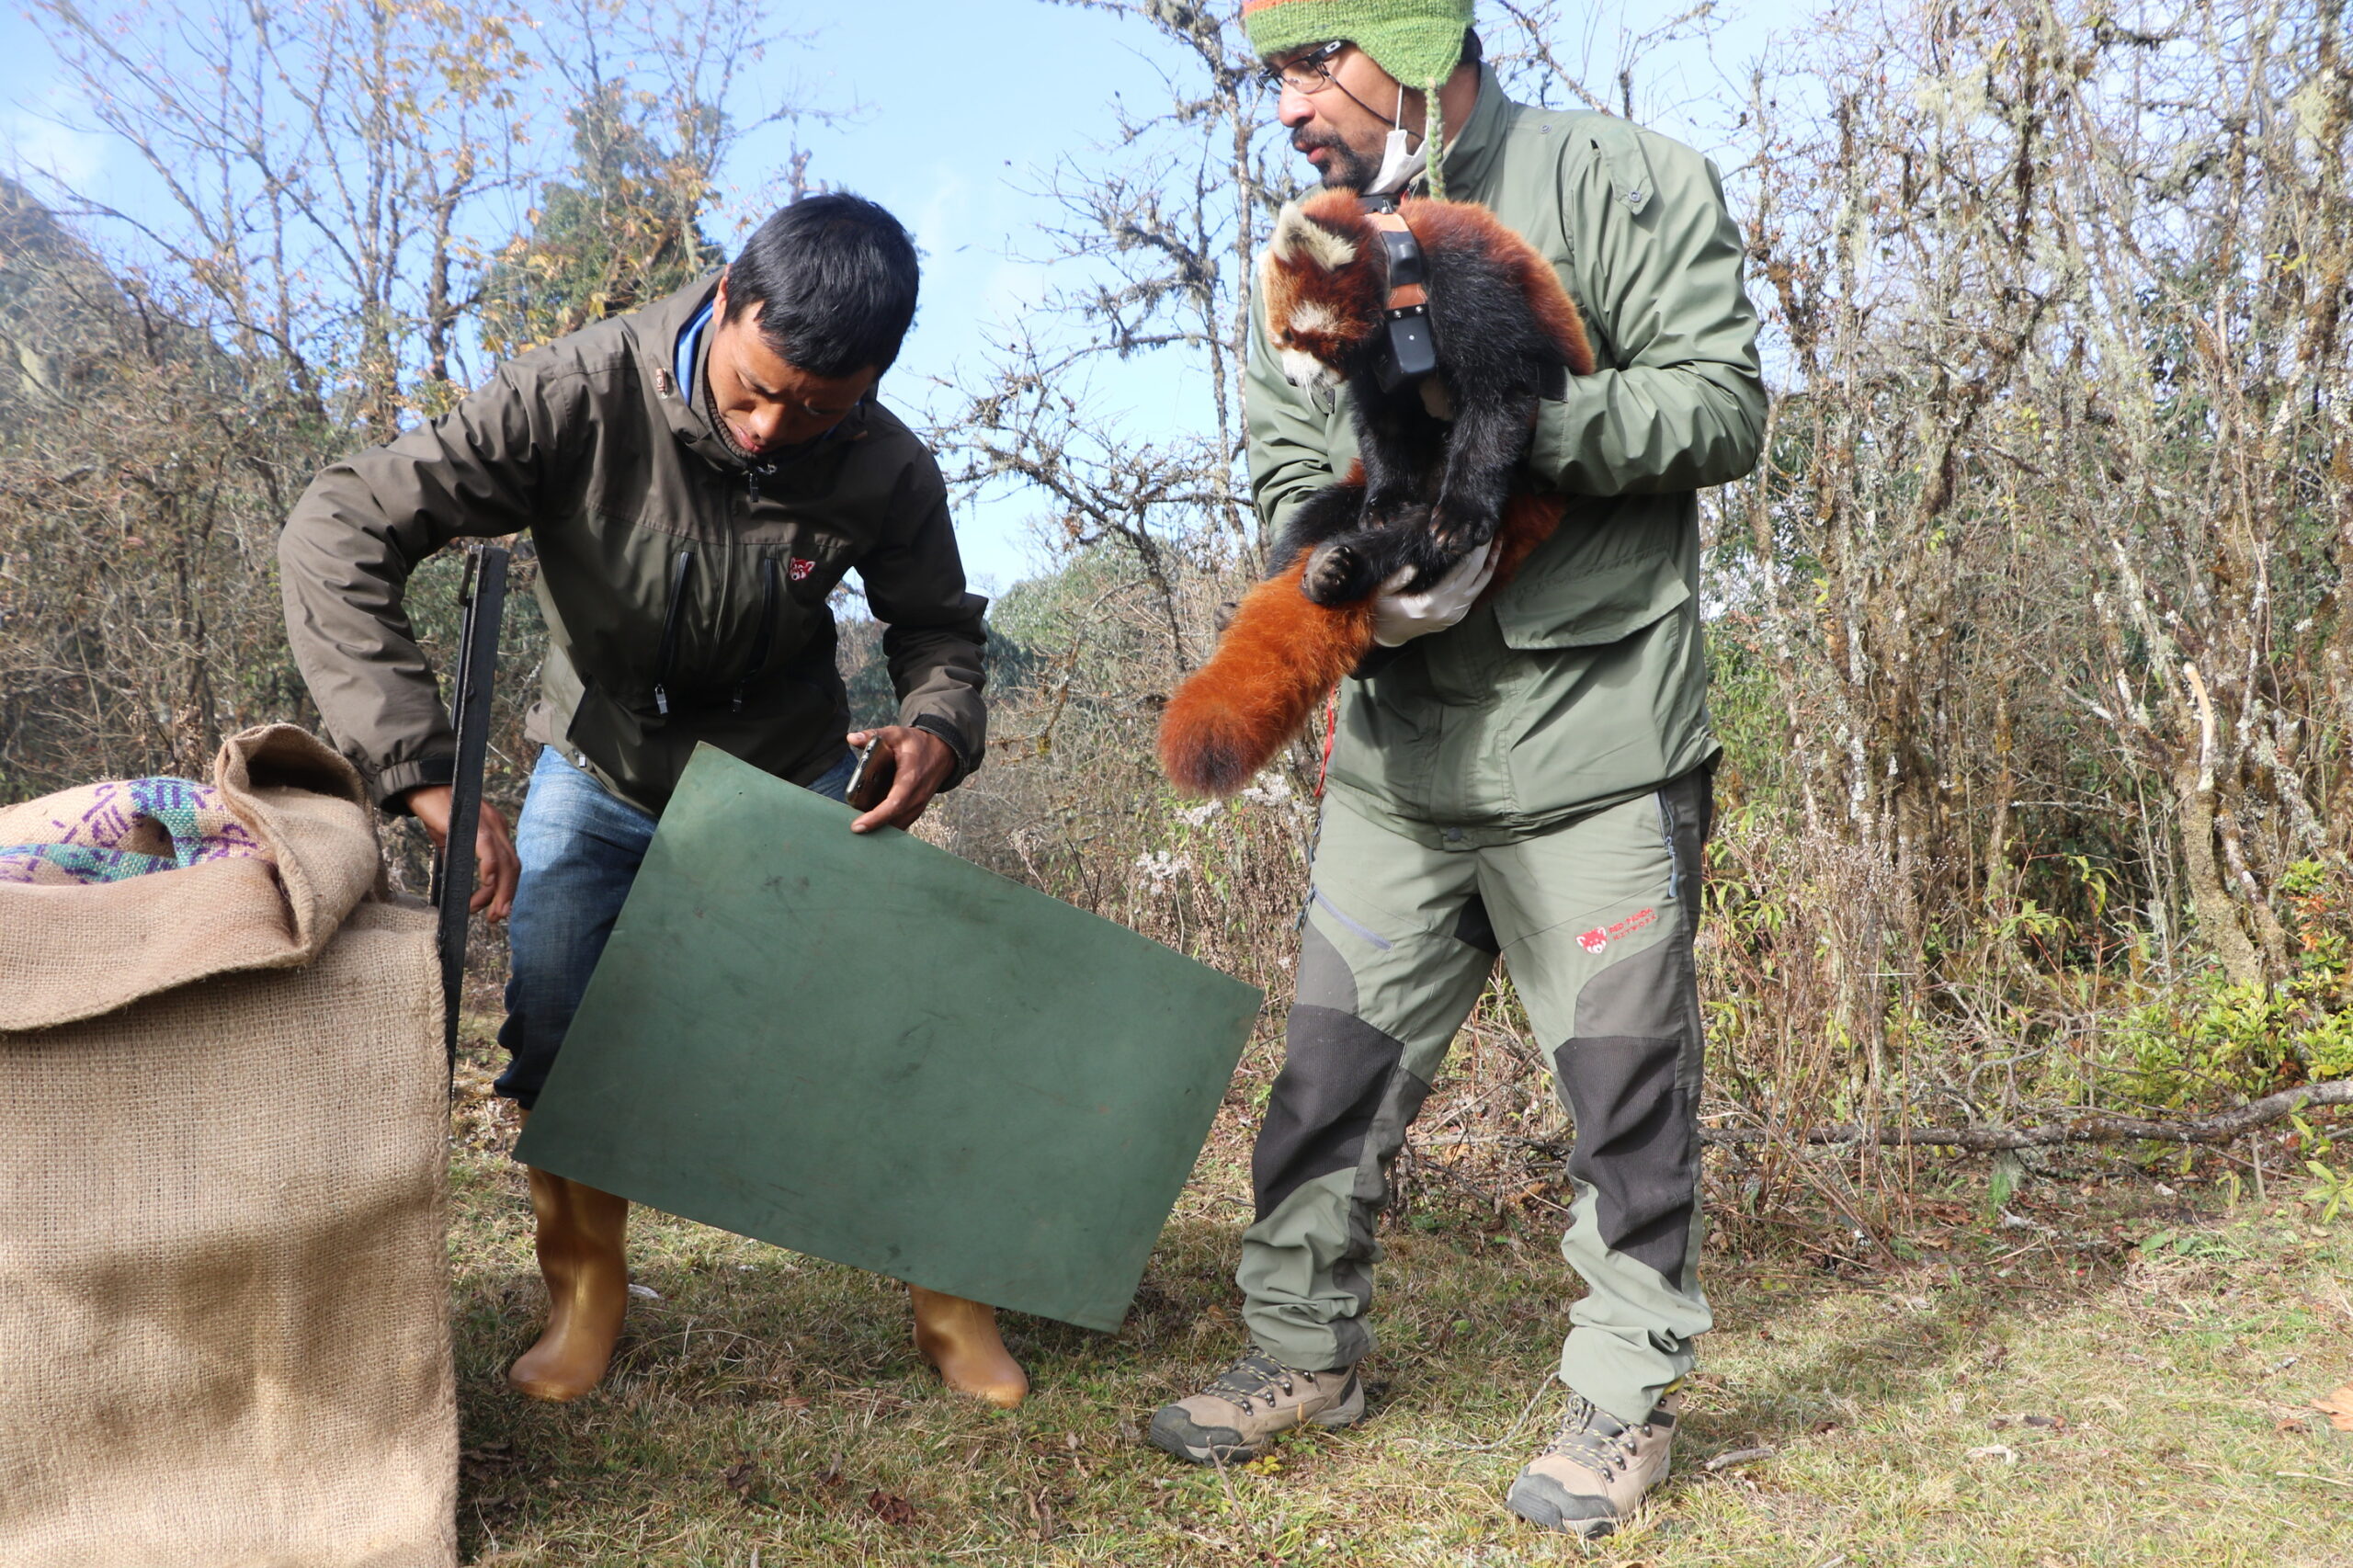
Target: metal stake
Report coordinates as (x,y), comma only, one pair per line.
(484,595)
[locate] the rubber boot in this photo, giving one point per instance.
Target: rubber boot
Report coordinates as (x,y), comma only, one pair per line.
(959,1337)
(581,1256)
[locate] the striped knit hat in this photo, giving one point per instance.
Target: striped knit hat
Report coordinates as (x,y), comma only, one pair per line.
(1416,42)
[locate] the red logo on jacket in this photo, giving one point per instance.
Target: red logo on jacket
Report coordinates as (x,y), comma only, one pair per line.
(799,568)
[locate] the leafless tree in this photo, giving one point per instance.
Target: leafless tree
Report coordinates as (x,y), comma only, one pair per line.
(321,163)
(1162,224)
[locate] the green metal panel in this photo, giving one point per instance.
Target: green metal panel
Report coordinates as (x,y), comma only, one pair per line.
(860,1047)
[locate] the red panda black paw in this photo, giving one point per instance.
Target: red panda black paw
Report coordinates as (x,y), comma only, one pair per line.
(1333,576)
(1452,537)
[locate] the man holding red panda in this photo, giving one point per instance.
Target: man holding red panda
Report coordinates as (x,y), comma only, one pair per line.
(1525,777)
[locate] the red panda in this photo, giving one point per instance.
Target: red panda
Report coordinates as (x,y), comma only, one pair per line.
(1434,481)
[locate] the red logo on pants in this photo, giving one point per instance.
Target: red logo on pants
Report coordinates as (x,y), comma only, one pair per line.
(1600,936)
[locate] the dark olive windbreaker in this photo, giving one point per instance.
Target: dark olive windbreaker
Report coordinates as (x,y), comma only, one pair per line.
(684,591)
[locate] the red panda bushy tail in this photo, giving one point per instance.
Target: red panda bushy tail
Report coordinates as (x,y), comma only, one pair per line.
(1281,653)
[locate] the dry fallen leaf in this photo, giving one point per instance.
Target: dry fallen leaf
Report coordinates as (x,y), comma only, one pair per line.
(2002,1451)
(891,1510)
(2339,1408)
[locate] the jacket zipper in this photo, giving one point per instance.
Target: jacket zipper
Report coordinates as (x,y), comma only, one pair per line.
(753,474)
(668,655)
(769,592)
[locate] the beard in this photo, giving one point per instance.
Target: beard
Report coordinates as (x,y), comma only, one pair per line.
(1346,169)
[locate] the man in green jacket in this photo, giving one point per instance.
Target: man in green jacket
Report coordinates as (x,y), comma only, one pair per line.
(1528,778)
(697,477)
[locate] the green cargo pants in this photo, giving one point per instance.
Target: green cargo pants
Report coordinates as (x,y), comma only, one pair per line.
(1596,919)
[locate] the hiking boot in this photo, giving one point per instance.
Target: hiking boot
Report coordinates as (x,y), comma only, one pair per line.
(1593,1476)
(1251,1402)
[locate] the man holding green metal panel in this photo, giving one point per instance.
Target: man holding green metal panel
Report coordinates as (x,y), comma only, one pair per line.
(697,476)
(1526,778)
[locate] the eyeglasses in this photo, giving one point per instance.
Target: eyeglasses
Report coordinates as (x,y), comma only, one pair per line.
(1310,72)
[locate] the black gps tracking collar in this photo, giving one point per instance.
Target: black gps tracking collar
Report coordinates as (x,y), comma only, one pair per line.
(1410,352)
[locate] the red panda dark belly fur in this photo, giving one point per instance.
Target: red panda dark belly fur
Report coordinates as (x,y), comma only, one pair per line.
(1282,652)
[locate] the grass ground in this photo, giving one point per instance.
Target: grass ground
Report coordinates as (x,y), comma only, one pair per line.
(2125,1378)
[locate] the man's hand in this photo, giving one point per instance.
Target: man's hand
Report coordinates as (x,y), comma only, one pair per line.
(920,762)
(1398,617)
(497,870)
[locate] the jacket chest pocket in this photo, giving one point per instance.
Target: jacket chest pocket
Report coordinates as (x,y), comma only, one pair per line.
(726,617)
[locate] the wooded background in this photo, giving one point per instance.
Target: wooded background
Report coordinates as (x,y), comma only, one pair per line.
(2030,639)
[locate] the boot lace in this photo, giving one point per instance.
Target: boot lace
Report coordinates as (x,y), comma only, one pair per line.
(1257,1376)
(1594,1439)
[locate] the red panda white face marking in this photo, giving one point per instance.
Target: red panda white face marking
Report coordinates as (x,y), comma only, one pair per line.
(1310,317)
(1307,372)
(1308,321)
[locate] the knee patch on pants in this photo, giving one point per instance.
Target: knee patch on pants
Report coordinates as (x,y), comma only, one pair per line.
(1335,1078)
(1636,1144)
(1624,1074)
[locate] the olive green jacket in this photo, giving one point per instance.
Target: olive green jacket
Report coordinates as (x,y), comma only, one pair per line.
(683,590)
(1582,682)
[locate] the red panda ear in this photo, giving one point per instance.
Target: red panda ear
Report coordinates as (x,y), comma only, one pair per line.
(1300,240)
(1283,245)
(1276,290)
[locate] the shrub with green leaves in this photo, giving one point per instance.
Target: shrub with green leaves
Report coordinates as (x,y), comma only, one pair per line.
(2211,1039)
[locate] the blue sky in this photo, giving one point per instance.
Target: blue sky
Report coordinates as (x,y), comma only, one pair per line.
(962,106)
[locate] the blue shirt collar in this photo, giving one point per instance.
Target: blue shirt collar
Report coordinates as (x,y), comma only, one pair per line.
(690,345)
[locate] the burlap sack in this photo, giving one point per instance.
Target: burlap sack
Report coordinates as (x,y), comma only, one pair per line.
(223,1337)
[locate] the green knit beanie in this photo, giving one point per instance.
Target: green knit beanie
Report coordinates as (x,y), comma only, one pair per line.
(1416,42)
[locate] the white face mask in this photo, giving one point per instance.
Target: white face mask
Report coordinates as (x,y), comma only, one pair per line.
(1397,165)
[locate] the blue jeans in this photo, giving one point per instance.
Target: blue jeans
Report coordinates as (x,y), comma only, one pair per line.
(580,848)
